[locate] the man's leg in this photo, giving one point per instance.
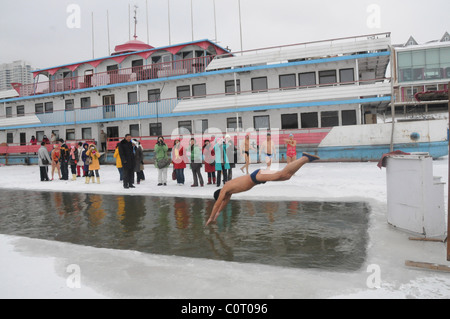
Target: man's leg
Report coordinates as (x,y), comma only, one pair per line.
(288,171)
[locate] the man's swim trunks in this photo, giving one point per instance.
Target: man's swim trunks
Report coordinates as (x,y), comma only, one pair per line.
(253,177)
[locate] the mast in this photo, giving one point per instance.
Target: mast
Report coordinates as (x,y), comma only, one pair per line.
(135,21)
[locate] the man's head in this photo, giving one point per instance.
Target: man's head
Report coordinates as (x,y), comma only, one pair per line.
(128,137)
(217,194)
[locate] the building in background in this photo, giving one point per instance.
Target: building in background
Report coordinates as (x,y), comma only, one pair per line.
(15,72)
(422,70)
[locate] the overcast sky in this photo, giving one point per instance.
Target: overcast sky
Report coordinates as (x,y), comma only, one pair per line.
(45,34)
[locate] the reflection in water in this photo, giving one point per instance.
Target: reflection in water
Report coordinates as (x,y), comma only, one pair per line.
(324,235)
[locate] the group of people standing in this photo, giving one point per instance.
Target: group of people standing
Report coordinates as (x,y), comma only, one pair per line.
(217,155)
(219,159)
(83,159)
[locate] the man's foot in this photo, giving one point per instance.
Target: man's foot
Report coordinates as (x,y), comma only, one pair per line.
(311,157)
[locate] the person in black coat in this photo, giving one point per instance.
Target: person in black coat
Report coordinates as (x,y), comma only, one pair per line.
(64,159)
(128,161)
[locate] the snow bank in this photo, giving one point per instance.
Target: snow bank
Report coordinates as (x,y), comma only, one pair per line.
(33,268)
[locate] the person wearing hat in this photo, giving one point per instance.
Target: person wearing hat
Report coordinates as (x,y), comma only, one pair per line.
(94,166)
(291,145)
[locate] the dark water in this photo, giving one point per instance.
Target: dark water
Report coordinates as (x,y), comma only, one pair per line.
(324,235)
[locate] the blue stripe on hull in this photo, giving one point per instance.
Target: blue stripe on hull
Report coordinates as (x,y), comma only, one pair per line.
(375,152)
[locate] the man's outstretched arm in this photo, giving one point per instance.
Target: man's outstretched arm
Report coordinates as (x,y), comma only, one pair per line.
(220,204)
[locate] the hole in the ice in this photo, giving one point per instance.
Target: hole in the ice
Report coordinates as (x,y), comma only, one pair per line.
(321,235)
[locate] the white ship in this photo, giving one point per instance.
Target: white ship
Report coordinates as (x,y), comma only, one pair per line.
(335,96)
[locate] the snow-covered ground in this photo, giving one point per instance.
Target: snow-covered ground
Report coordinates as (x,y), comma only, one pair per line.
(32,268)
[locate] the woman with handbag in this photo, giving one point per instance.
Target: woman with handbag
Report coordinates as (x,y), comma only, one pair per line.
(43,160)
(162,161)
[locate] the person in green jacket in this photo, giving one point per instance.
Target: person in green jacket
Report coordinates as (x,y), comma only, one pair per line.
(162,161)
(196,163)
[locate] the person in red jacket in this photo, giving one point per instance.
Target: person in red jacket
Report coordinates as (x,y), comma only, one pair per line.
(209,160)
(179,161)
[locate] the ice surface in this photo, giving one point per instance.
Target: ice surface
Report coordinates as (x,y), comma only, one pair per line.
(33,268)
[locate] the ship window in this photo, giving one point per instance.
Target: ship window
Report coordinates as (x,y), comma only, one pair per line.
(231,124)
(200,126)
(49,107)
(185,127)
(349,117)
(183,91)
(327,77)
(70,105)
(9,111)
(39,108)
(112,69)
(40,135)
(229,86)
(330,118)
(259,84)
(70,134)
(289,121)
(155,129)
(199,90)
(9,138)
(86,133)
(154,95)
(261,122)
(346,75)
(309,120)
(307,79)
(134,130)
(20,110)
(132,98)
(287,81)
(85,102)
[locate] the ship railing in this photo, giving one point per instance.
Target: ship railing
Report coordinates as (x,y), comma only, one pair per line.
(125,75)
(330,42)
(29,148)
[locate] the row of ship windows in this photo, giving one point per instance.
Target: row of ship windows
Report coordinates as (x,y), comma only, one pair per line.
(288,122)
(258,84)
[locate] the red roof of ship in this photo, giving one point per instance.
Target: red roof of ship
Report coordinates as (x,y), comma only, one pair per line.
(131,46)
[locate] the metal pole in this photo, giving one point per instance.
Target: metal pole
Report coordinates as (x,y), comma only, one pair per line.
(93,41)
(215,21)
(393,79)
(240,26)
(168,14)
(146,14)
(192,21)
(107,26)
(448,184)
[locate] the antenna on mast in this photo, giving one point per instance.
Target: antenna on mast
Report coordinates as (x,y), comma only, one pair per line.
(135,21)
